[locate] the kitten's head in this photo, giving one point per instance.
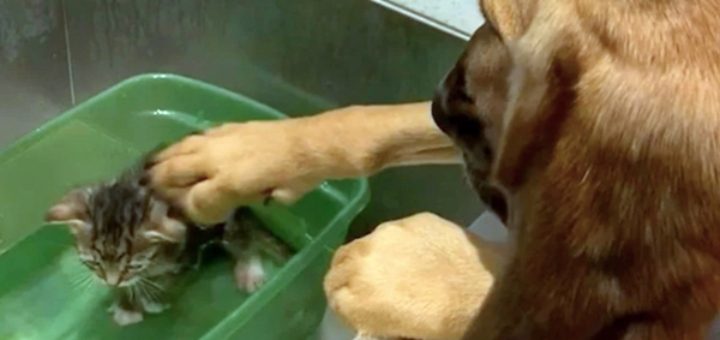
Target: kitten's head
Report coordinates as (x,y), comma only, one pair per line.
(119,228)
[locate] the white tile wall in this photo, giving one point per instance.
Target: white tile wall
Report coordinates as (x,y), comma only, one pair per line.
(457,17)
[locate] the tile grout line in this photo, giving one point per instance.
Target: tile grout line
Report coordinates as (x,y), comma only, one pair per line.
(68,53)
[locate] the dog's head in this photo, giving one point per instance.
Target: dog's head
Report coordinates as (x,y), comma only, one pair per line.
(598,123)
(515,91)
(600,75)
(472,101)
(469,105)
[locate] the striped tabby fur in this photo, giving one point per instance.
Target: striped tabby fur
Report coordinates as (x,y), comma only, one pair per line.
(134,243)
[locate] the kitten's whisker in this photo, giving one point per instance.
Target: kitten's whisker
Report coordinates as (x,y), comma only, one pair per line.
(151,288)
(133,294)
(152,294)
(88,281)
(152,284)
(136,287)
(148,292)
(82,281)
(78,275)
(77,280)
(137,293)
(140,289)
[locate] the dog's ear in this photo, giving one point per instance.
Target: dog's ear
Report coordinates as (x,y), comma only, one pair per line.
(509,17)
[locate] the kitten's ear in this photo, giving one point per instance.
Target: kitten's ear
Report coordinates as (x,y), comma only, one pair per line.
(164,228)
(72,211)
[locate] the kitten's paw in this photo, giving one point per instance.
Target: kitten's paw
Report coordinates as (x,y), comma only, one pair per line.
(112,308)
(125,317)
(249,276)
(153,307)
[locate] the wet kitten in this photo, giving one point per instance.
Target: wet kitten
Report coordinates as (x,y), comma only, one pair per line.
(131,241)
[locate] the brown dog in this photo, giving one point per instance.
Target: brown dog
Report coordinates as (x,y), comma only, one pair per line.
(593,126)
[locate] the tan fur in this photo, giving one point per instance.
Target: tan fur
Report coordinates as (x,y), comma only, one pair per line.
(607,156)
(212,173)
(421,277)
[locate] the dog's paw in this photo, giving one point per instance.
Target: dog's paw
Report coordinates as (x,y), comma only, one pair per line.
(249,275)
(373,285)
(124,317)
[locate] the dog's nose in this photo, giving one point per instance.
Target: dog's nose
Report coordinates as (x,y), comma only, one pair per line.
(440,104)
(452,108)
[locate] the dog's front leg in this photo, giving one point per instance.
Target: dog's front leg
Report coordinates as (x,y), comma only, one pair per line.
(535,299)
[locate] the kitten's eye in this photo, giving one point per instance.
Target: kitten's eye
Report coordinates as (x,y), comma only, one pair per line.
(135,266)
(91,263)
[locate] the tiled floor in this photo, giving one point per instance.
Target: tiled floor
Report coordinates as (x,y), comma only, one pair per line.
(333,329)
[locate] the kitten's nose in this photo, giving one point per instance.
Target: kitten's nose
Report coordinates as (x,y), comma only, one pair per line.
(112,278)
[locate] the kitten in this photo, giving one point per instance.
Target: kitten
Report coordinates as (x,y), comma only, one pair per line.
(135,244)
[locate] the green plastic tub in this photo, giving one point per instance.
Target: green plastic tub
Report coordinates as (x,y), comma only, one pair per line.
(42,291)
